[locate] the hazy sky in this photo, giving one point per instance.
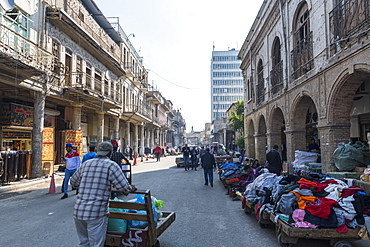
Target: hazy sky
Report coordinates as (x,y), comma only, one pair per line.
(175,39)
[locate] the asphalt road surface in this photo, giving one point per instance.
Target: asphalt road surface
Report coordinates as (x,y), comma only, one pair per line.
(205,216)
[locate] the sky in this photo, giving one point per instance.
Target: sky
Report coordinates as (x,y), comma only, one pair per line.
(176,39)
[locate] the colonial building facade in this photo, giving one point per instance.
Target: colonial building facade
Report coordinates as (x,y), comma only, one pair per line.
(306,72)
(69,74)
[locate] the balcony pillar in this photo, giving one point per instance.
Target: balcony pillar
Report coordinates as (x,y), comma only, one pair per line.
(142,141)
(100,136)
(38,126)
(128,134)
(76,123)
(135,139)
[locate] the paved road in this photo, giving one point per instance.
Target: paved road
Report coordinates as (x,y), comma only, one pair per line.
(205,216)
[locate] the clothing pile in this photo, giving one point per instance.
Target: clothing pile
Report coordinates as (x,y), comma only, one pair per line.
(310,200)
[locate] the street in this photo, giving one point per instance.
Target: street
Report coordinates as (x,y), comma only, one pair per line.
(205,216)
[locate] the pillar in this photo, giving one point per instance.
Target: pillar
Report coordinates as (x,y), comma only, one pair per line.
(330,138)
(100,135)
(116,129)
(142,141)
(38,126)
(135,139)
(260,144)
(128,134)
(295,140)
(76,123)
(274,138)
(152,142)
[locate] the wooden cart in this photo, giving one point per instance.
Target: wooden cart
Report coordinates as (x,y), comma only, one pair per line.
(289,235)
(134,236)
(264,218)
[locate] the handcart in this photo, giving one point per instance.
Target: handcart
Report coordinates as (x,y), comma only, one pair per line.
(289,235)
(148,236)
(264,217)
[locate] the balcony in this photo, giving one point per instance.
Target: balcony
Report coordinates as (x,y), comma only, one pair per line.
(302,57)
(349,20)
(91,89)
(136,113)
(276,75)
(21,57)
(129,69)
(155,97)
(85,28)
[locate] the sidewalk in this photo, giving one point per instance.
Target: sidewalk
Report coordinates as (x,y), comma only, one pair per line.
(58,177)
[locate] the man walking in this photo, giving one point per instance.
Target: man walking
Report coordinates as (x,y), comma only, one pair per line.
(72,161)
(158,152)
(185,154)
(194,158)
(90,155)
(95,178)
(275,164)
(118,157)
(208,162)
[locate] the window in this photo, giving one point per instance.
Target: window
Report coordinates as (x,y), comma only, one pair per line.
(55,46)
(302,58)
(276,73)
(260,83)
(79,70)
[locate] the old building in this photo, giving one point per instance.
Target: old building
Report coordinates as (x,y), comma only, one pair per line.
(69,74)
(306,71)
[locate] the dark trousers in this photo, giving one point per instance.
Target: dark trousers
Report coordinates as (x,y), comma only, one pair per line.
(158,156)
(208,175)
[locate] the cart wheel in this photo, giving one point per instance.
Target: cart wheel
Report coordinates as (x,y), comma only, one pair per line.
(342,244)
(262,225)
(247,210)
(283,244)
(157,244)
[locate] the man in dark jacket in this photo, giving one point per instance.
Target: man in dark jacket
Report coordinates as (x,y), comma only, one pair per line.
(275,164)
(208,162)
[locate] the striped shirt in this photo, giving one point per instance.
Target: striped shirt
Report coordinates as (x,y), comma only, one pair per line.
(94,179)
(72,160)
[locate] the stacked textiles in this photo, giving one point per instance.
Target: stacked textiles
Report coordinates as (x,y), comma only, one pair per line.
(310,200)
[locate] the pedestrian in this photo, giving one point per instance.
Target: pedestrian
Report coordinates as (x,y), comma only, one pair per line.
(72,161)
(208,163)
(95,178)
(90,155)
(185,154)
(158,152)
(194,156)
(201,152)
(131,152)
(275,164)
(312,147)
(118,157)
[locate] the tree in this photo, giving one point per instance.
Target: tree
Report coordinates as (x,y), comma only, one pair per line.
(236,119)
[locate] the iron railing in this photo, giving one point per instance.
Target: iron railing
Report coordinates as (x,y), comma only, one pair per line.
(302,57)
(18,47)
(276,75)
(348,21)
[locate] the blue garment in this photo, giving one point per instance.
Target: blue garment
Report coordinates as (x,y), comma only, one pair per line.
(186,162)
(90,155)
(67,176)
(208,175)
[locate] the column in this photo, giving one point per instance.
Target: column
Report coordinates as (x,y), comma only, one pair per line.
(38,126)
(116,128)
(330,138)
(260,144)
(135,138)
(295,140)
(274,138)
(142,141)
(128,136)
(100,126)
(76,123)
(152,139)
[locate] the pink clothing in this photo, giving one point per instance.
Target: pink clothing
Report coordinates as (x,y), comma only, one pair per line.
(298,217)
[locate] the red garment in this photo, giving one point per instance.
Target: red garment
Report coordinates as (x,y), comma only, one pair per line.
(350,191)
(342,229)
(325,184)
(321,208)
(306,184)
(158,150)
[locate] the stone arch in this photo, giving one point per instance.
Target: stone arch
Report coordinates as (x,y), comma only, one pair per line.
(261,139)
(303,123)
(276,136)
(249,139)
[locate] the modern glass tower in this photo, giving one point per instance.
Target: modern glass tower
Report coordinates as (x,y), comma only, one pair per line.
(226,82)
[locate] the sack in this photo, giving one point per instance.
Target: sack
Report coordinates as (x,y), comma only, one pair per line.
(117,225)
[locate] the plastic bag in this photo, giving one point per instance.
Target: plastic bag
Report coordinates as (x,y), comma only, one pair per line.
(347,157)
(117,225)
(142,224)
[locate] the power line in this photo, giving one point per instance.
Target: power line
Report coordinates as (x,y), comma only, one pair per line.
(177,85)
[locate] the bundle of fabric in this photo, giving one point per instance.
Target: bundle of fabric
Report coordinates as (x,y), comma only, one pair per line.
(328,202)
(230,170)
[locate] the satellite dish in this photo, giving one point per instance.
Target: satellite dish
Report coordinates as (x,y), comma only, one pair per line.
(7,4)
(107,74)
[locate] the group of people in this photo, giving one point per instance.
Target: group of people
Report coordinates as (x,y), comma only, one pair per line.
(93,180)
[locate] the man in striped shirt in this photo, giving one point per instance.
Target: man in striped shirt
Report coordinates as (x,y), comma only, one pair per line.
(95,178)
(72,161)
